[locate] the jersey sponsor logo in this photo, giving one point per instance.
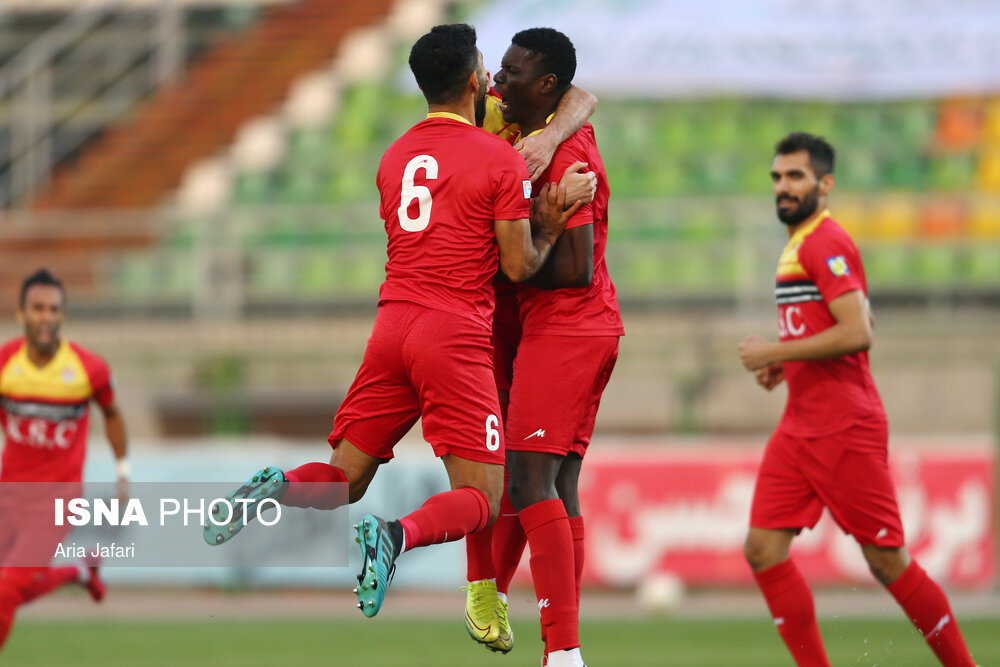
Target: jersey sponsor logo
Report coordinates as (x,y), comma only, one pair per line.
(41,433)
(790,322)
(526,186)
(540,433)
(796,291)
(838,265)
(47,411)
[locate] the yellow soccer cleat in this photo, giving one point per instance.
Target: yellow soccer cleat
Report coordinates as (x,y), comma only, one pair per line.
(481,611)
(505,639)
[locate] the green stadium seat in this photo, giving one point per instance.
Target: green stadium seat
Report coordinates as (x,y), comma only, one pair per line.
(952,172)
(937,265)
(887,265)
(252,188)
(981,265)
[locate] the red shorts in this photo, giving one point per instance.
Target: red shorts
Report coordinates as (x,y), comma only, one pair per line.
(847,472)
(429,363)
(558,383)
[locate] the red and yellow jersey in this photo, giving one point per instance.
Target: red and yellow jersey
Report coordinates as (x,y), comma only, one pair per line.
(820,263)
(577,311)
(494,123)
(442,186)
(45,411)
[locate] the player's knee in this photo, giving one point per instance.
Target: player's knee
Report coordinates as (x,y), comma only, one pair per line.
(357,489)
(760,553)
(886,565)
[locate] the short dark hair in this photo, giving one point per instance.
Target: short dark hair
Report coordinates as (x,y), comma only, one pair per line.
(442,61)
(40,277)
(556,53)
(821,154)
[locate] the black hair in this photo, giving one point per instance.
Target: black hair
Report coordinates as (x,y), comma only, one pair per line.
(442,61)
(40,277)
(821,154)
(556,53)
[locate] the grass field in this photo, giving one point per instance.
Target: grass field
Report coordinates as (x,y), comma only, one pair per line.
(395,642)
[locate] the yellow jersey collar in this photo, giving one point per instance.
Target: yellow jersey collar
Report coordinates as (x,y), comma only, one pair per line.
(547,121)
(448,114)
(808,227)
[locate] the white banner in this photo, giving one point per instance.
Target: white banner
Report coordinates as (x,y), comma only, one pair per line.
(828,49)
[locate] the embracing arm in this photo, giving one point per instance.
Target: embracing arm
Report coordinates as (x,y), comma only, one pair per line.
(852,333)
(571,263)
(574,109)
(525,245)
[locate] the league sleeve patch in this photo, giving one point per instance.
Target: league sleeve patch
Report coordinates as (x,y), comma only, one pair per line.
(838,266)
(526,186)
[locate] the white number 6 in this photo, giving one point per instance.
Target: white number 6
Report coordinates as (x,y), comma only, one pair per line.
(492,434)
(418,192)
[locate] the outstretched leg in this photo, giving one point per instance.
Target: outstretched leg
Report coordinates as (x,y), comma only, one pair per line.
(923,601)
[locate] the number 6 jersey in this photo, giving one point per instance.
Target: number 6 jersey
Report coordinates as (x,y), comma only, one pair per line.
(442,186)
(45,411)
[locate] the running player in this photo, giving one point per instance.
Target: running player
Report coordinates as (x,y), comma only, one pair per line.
(452,196)
(46,385)
(830,448)
(570,329)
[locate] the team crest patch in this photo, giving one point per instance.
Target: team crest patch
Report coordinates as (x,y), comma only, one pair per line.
(68,375)
(838,265)
(526,186)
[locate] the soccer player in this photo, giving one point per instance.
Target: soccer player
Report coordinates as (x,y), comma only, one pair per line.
(830,448)
(46,385)
(485,612)
(570,329)
(453,198)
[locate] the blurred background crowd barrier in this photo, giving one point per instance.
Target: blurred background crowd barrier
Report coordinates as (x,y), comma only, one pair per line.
(200,173)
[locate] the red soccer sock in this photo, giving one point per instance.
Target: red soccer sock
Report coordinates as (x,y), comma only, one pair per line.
(508,543)
(446,517)
(927,606)
(316,485)
(551,541)
(479,554)
(46,579)
(576,529)
(791,604)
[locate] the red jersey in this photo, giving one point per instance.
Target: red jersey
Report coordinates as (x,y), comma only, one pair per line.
(443,184)
(577,311)
(45,411)
(820,263)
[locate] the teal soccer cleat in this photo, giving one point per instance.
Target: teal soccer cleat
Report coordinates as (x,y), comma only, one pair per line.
(266,483)
(379,550)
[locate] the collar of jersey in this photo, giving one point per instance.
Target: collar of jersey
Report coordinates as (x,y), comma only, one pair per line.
(52,363)
(809,226)
(547,121)
(448,114)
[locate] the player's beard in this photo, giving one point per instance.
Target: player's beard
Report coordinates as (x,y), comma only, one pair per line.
(805,210)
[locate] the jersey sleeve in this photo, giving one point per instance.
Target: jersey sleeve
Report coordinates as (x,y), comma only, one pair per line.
(99,373)
(834,265)
(566,154)
(509,174)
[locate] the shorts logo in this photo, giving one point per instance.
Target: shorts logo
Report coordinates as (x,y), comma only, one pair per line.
(526,186)
(838,266)
(540,433)
(882,534)
(544,602)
